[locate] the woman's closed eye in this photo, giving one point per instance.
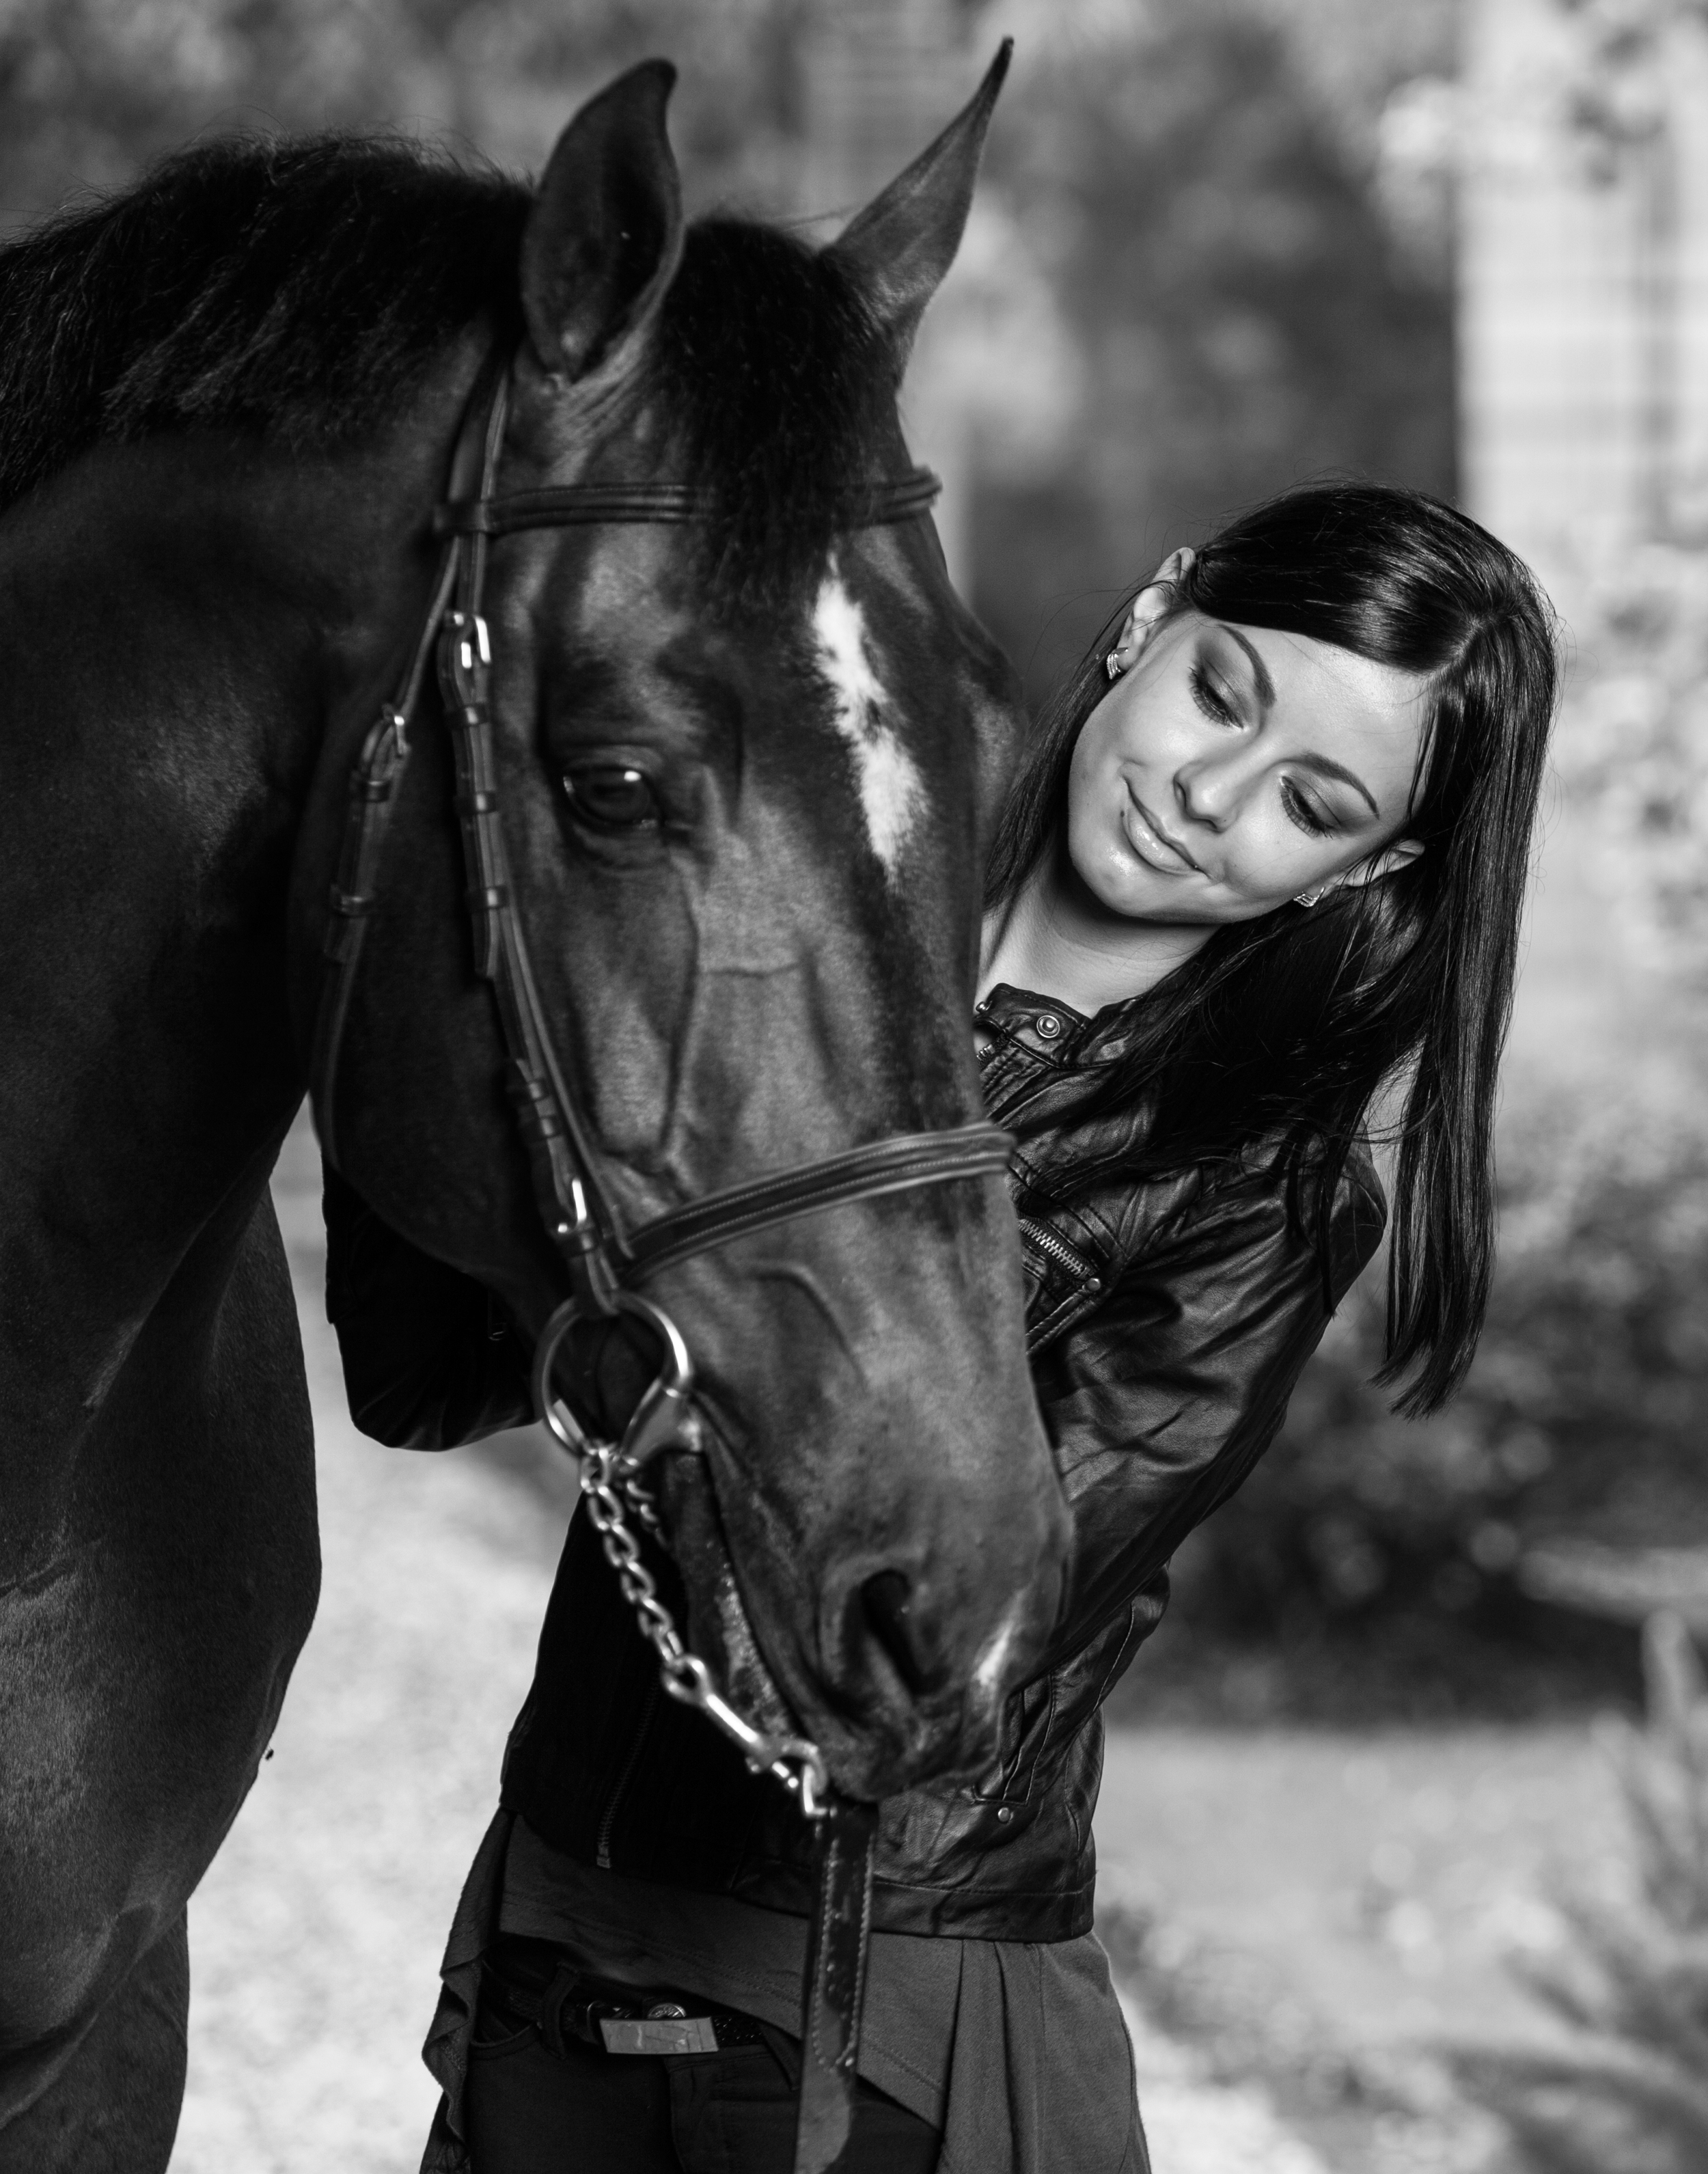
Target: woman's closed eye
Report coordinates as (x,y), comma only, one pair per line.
(1210,699)
(1301,811)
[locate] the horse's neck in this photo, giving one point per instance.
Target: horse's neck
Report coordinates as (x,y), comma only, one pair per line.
(181,618)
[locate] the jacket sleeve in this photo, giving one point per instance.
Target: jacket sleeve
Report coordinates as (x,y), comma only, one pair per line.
(430,1358)
(1160,1401)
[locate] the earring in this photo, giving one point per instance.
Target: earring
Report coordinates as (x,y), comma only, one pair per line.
(1112,664)
(1308,898)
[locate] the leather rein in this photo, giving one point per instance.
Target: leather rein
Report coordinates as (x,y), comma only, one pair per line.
(602,1260)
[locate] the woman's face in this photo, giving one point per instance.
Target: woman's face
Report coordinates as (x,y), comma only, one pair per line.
(1231,768)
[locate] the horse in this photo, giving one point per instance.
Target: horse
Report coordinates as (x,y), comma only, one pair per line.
(744,749)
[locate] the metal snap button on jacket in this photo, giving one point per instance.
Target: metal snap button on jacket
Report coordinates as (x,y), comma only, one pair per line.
(1048,1024)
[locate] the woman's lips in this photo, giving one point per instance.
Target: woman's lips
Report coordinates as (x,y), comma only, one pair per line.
(1150,846)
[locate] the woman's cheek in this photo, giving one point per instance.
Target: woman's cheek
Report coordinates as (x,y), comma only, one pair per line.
(1097,849)
(1280,875)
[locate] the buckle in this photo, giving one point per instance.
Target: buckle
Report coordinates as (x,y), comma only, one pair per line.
(659,2034)
(571,2006)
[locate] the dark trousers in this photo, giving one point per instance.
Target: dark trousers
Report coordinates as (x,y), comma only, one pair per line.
(528,2112)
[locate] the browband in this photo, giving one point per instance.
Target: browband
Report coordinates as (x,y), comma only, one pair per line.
(580,504)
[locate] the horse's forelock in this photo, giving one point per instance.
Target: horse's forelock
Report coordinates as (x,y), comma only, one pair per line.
(299,286)
(775,384)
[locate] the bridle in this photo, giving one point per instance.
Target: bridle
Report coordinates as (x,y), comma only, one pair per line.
(603,1262)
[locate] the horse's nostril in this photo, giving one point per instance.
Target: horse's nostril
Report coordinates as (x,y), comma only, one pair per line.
(887,1598)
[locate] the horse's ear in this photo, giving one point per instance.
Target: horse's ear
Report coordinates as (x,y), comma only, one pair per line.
(900,247)
(604,237)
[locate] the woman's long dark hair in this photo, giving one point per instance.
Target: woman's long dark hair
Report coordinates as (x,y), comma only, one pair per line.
(1285,1029)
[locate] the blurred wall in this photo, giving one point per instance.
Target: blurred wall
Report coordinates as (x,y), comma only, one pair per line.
(1584,275)
(1580,146)
(1200,187)
(880,78)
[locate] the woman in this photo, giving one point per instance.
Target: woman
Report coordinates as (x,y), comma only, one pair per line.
(1265,860)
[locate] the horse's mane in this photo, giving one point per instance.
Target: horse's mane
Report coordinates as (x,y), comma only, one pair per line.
(291,289)
(298,289)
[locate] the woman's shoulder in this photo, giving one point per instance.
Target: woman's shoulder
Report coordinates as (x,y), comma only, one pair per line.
(1251,1222)
(1307,1174)
(1326,1195)
(1270,1193)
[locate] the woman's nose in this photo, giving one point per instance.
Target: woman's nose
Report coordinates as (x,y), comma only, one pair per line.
(1208,792)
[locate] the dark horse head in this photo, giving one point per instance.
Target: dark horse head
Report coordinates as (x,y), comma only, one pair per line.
(747,766)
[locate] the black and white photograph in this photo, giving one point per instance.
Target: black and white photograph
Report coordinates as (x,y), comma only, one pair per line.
(854,1087)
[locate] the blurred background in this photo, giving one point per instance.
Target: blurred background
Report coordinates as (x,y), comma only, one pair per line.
(1394,1785)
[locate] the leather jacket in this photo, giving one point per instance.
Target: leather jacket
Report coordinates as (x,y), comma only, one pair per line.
(1168,1320)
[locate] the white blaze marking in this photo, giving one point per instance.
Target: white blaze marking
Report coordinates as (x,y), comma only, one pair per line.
(890,787)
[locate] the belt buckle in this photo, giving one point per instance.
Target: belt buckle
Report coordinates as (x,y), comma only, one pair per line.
(667,2032)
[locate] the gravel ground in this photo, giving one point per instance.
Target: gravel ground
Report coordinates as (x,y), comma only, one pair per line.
(315,1938)
(1380,1881)
(1195,2125)
(1332,1912)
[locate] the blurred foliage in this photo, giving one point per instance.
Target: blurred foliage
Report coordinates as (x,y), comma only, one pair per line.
(91,89)
(1633,746)
(1586,1411)
(1625,2091)
(1184,261)
(1614,94)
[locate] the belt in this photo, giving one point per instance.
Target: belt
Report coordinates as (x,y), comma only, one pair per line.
(619,2019)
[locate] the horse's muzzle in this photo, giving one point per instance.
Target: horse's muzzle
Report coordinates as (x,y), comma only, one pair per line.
(915,1699)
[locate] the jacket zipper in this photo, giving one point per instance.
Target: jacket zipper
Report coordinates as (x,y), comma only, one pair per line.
(613,1802)
(1065,1256)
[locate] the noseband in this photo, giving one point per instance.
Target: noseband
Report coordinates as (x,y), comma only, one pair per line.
(603,1262)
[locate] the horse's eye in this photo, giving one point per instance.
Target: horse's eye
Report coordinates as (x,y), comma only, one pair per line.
(612,795)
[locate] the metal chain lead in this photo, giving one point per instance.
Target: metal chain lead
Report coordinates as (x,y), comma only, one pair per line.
(641,1503)
(623,1553)
(611,1480)
(797,1763)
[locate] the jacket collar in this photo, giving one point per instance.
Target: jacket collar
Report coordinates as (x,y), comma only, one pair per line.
(1047,1028)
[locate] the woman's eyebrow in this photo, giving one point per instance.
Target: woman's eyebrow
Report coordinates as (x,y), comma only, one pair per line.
(1260,670)
(1326,766)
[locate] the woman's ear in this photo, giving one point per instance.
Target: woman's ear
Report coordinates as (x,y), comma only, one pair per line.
(1153,601)
(1399,855)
